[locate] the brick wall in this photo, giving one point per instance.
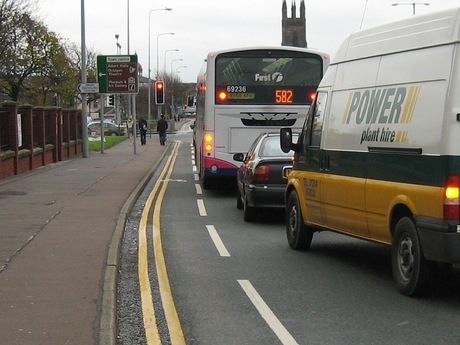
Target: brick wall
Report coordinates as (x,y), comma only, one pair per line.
(31,137)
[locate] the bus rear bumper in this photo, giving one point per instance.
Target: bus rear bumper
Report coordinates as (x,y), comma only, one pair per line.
(220,172)
(218,168)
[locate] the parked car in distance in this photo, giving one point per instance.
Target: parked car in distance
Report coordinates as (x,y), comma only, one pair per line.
(110,128)
(260,179)
(106,119)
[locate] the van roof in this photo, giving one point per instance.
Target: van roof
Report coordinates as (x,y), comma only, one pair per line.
(416,32)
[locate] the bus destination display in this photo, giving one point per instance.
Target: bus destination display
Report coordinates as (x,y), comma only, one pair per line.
(240,94)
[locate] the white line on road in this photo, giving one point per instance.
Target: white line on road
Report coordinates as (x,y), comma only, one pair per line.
(196,177)
(281,332)
(217,241)
(198,189)
(201,208)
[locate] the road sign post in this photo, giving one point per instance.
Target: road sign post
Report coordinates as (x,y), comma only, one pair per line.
(117,74)
(88,88)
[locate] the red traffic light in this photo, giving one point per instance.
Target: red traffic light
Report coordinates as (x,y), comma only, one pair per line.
(159,92)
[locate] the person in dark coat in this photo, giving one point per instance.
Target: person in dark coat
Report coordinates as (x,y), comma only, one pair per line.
(143,130)
(162,126)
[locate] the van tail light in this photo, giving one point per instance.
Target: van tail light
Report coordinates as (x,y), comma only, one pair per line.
(261,173)
(452,198)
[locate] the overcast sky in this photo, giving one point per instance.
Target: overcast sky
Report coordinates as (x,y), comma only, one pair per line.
(201,26)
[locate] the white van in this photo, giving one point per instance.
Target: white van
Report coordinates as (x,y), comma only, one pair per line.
(379,154)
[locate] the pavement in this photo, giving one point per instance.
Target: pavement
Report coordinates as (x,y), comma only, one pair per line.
(61,228)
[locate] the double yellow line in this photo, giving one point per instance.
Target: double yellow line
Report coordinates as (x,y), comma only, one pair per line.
(148,307)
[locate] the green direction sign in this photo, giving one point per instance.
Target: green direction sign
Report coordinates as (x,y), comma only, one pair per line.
(117,74)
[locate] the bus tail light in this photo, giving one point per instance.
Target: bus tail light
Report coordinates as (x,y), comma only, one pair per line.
(208,143)
(452,198)
(261,173)
(222,96)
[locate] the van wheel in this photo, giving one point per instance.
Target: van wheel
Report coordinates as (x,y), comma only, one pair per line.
(407,260)
(249,213)
(299,235)
(239,201)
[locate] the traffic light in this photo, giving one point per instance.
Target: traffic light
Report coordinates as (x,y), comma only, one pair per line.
(111,100)
(159,92)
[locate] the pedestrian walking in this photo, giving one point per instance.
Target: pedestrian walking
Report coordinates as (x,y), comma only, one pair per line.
(143,130)
(162,126)
(129,127)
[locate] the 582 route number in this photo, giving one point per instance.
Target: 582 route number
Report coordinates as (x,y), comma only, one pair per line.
(284,96)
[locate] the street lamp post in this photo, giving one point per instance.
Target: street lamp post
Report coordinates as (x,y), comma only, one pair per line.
(131,98)
(117,97)
(149,81)
(166,51)
(172,98)
(172,61)
(84,104)
(158,59)
(172,82)
(158,68)
(413,4)
(117,36)
(177,69)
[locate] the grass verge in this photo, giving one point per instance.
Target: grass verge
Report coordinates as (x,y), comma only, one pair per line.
(109,142)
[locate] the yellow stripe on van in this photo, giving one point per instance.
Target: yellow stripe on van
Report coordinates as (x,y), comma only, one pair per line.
(401,136)
(347,108)
(414,102)
(411,102)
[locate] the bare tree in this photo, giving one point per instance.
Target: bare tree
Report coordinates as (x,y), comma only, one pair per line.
(73,52)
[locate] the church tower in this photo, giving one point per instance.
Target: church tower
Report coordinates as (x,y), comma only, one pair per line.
(294,30)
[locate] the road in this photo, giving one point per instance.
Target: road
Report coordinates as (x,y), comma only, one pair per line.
(225,281)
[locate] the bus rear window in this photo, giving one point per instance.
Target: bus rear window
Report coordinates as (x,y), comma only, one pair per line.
(270,78)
